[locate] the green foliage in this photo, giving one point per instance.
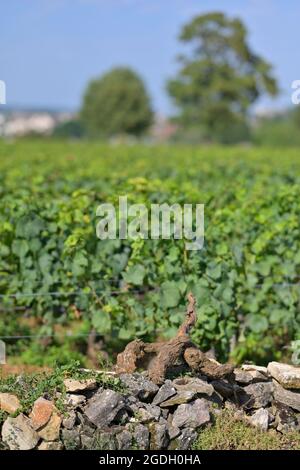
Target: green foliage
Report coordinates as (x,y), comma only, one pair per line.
(116,103)
(279,130)
(73,128)
(29,387)
(72,282)
(230,433)
(220,80)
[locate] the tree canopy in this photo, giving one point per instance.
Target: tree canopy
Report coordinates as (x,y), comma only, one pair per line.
(221,78)
(116,103)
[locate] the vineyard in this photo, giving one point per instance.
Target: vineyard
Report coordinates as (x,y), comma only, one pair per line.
(60,285)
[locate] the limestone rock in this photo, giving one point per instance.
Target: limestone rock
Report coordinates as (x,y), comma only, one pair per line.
(87,429)
(242,377)
(223,388)
(258,395)
(19,434)
(166,391)
(87,442)
(174,431)
(159,436)
(192,415)
(103,407)
(41,412)
(288,376)
(285,418)
(9,402)
(50,432)
(193,384)
(186,439)
(105,440)
(124,440)
(258,373)
(50,446)
(141,437)
(287,397)
(260,419)
(69,420)
(149,413)
(139,385)
(73,400)
(74,386)
(71,439)
(183,396)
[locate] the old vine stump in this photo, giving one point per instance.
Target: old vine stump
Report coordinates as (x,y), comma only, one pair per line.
(158,358)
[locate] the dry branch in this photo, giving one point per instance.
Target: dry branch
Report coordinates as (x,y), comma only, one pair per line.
(159,358)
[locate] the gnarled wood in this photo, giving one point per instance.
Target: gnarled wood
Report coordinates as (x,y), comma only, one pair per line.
(159,357)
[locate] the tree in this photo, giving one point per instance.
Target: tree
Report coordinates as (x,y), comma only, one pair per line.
(220,80)
(69,129)
(116,103)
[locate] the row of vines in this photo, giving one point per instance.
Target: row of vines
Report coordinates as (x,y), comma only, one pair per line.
(58,281)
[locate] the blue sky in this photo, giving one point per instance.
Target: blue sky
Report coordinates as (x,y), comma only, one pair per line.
(49,49)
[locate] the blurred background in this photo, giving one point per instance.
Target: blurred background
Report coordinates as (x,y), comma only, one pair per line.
(62,60)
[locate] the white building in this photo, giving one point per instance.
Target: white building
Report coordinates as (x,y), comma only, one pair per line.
(21,123)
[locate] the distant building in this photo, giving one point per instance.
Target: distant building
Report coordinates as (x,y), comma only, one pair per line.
(162,129)
(22,123)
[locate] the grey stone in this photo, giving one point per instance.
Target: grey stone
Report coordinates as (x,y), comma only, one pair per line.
(144,416)
(149,413)
(285,418)
(104,441)
(258,373)
(73,401)
(258,395)
(260,419)
(103,407)
(186,439)
(19,434)
(124,440)
(71,439)
(192,415)
(122,417)
(69,420)
(174,431)
(223,388)
(166,391)
(139,386)
(159,436)
(183,396)
(141,437)
(216,398)
(87,429)
(242,377)
(193,384)
(287,375)
(287,397)
(87,442)
(131,399)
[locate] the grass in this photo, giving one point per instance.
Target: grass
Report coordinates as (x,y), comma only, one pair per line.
(230,433)
(29,387)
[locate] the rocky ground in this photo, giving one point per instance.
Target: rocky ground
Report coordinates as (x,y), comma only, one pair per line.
(137,414)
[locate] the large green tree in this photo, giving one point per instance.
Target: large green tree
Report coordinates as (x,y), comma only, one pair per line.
(116,103)
(221,78)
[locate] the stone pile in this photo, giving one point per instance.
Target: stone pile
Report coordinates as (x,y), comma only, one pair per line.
(146,416)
